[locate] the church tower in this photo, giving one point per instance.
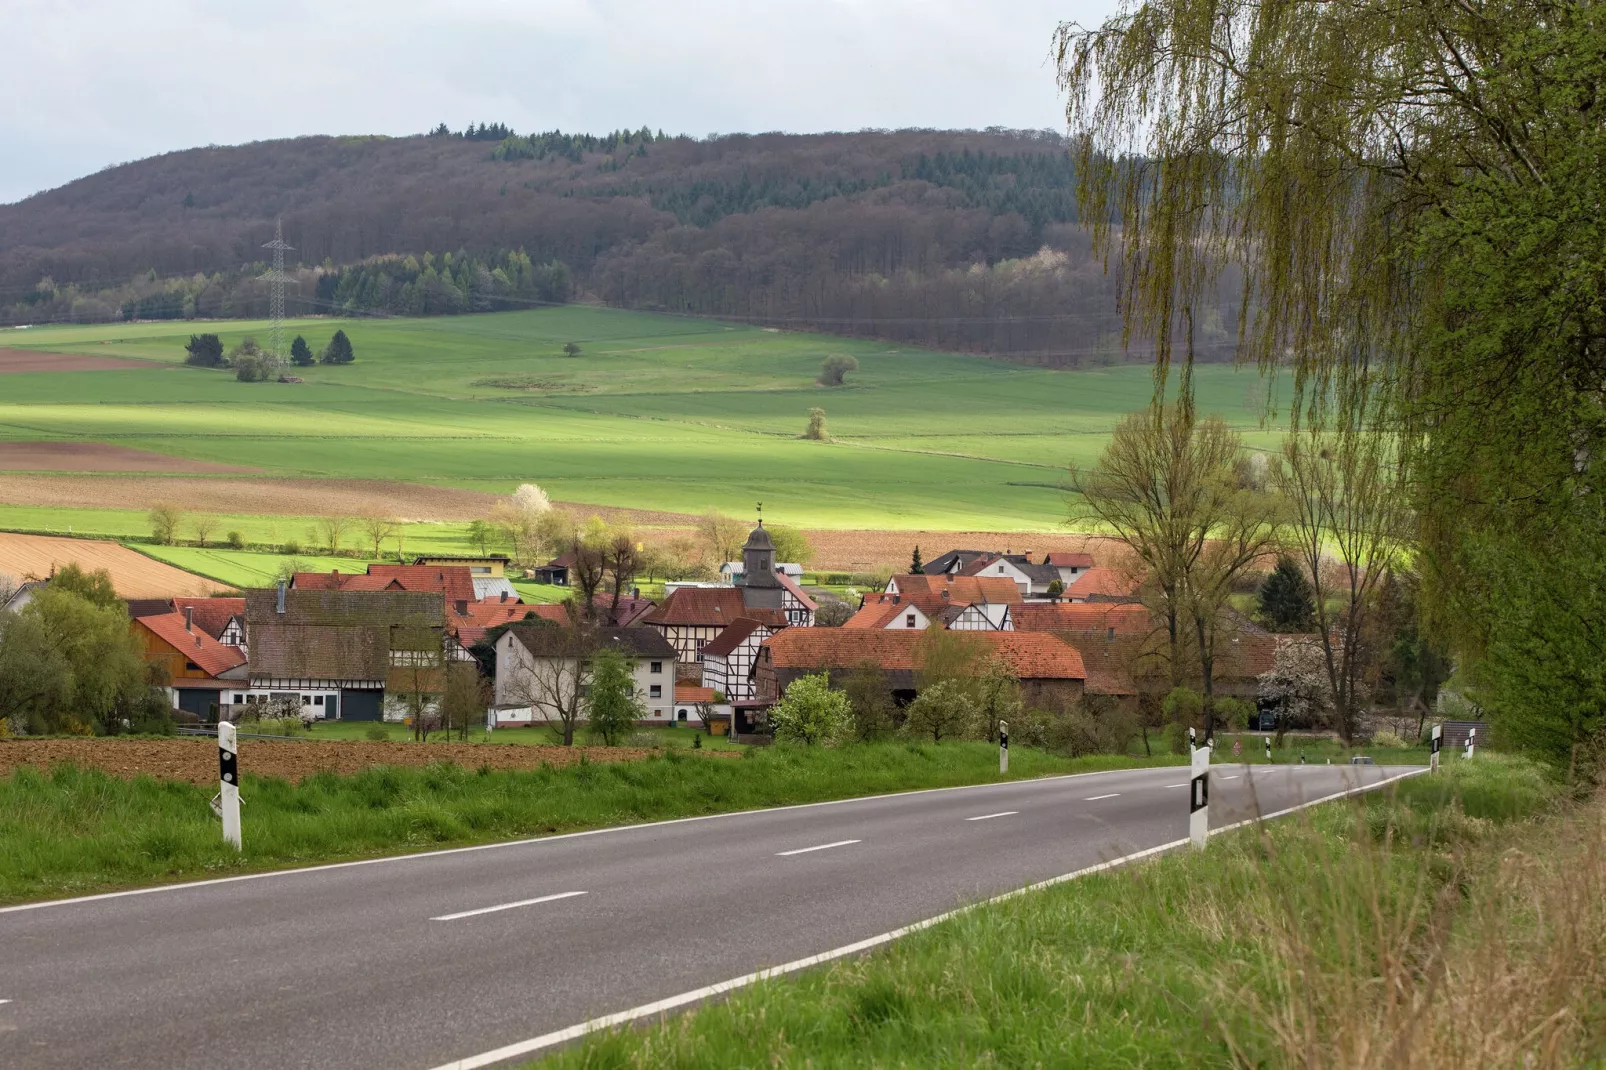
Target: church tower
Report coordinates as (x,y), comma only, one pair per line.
(760,587)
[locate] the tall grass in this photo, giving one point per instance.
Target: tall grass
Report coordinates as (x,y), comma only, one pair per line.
(69,830)
(1452,922)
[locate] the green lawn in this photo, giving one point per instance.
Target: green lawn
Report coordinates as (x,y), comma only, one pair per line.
(659,412)
(1302,943)
(667,737)
(68,831)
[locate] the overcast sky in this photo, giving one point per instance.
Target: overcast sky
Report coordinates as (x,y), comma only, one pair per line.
(97,82)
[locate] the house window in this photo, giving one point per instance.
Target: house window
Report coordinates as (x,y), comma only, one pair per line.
(190,666)
(317,700)
(1110,634)
(306,700)
(1000,568)
(909,620)
(238,699)
(656,691)
(657,667)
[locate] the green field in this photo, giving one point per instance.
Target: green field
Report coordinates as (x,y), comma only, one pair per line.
(658,412)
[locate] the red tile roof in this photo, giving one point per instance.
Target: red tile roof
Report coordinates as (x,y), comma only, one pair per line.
(723,644)
(631,610)
(962,590)
(1068,560)
(212,656)
(455,582)
(1108,583)
(797,591)
(1032,655)
(212,615)
(710,608)
(688,694)
(1127,618)
(877,614)
(483,616)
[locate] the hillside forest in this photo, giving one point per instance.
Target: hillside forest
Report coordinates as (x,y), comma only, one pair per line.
(961,240)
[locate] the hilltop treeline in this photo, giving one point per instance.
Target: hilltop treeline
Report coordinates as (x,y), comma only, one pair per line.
(962,239)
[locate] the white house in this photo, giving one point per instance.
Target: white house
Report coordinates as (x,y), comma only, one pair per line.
(732,571)
(1068,565)
(543,671)
(728,659)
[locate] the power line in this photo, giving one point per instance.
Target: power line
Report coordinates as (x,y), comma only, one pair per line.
(276,278)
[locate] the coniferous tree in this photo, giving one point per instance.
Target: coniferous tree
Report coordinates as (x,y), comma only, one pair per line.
(301,353)
(1285,598)
(916,566)
(205,350)
(339,350)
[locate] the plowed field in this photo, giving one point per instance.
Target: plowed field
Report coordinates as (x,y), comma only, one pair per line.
(133,574)
(850,551)
(98,457)
(195,759)
(28,360)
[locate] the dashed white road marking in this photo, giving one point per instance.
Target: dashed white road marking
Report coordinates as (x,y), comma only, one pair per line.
(1181,785)
(1096,798)
(989,817)
(1233,777)
(507,906)
(819,847)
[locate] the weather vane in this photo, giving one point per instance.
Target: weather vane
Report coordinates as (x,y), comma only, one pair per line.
(760,514)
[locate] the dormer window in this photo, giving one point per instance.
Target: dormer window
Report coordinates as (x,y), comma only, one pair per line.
(909,620)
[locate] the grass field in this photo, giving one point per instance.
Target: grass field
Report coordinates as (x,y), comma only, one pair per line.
(68,831)
(1439,924)
(659,412)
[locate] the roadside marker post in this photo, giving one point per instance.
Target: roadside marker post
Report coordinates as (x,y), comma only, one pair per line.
(1438,740)
(228,760)
(1268,748)
(1003,748)
(1472,742)
(1199,798)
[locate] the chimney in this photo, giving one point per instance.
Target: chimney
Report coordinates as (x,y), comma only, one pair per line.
(334,580)
(635,592)
(189,620)
(897,598)
(279,609)
(197,642)
(945,594)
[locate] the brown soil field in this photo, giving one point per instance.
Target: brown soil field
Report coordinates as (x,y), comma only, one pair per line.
(133,574)
(28,360)
(195,759)
(98,457)
(266,497)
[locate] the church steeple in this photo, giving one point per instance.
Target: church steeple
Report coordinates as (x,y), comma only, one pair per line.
(758,557)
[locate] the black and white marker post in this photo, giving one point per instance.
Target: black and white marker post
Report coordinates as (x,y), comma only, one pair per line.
(1003,748)
(1199,796)
(1472,742)
(1268,748)
(228,760)
(1433,756)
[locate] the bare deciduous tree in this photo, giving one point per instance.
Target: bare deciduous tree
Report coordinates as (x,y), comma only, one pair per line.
(723,534)
(552,679)
(1347,517)
(378,528)
(165,517)
(330,531)
(204,526)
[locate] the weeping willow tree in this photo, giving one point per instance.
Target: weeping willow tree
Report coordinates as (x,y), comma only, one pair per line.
(1412,194)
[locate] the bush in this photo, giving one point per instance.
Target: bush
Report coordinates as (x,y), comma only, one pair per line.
(290,547)
(834,371)
(811,712)
(234,540)
(1385,738)
(377,733)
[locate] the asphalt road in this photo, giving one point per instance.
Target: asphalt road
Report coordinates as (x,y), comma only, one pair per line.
(402,963)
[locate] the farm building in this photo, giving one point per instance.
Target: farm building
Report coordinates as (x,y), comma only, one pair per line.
(202,672)
(488,572)
(542,673)
(343,651)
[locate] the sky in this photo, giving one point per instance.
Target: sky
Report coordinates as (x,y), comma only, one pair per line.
(92,83)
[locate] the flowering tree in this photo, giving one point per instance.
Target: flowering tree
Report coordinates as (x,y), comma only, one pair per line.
(1298,686)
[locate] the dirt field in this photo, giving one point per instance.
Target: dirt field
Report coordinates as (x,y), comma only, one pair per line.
(98,457)
(133,575)
(195,759)
(852,551)
(266,497)
(28,360)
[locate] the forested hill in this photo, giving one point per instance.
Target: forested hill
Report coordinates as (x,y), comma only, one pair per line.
(959,239)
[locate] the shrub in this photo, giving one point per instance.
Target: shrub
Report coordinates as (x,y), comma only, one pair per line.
(816,432)
(1385,738)
(291,547)
(377,733)
(811,712)
(834,371)
(234,540)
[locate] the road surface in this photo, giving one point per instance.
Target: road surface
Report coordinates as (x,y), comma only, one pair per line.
(425,959)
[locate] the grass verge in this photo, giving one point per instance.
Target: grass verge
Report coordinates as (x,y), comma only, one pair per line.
(1448,922)
(69,831)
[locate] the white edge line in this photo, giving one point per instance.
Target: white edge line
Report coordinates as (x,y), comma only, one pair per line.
(816,847)
(4,1001)
(1181,785)
(647,1010)
(1096,798)
(507,906)
(535,840)
(989,817)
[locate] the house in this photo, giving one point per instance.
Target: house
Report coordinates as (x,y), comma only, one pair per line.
(691,617)
(488,571)
(542,672)
(628,613)
(483,616)
(345,651)
(728,658)
(1032,578)
(1104,585)
(202,672)
(221,618)
(962,603)
(1112,620)
(23,594)
(1050,670)
(1068,565)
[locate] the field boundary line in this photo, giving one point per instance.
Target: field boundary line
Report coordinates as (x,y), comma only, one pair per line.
(536,840)
(658,1007)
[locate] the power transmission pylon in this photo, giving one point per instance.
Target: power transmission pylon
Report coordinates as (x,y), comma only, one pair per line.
(276,278)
